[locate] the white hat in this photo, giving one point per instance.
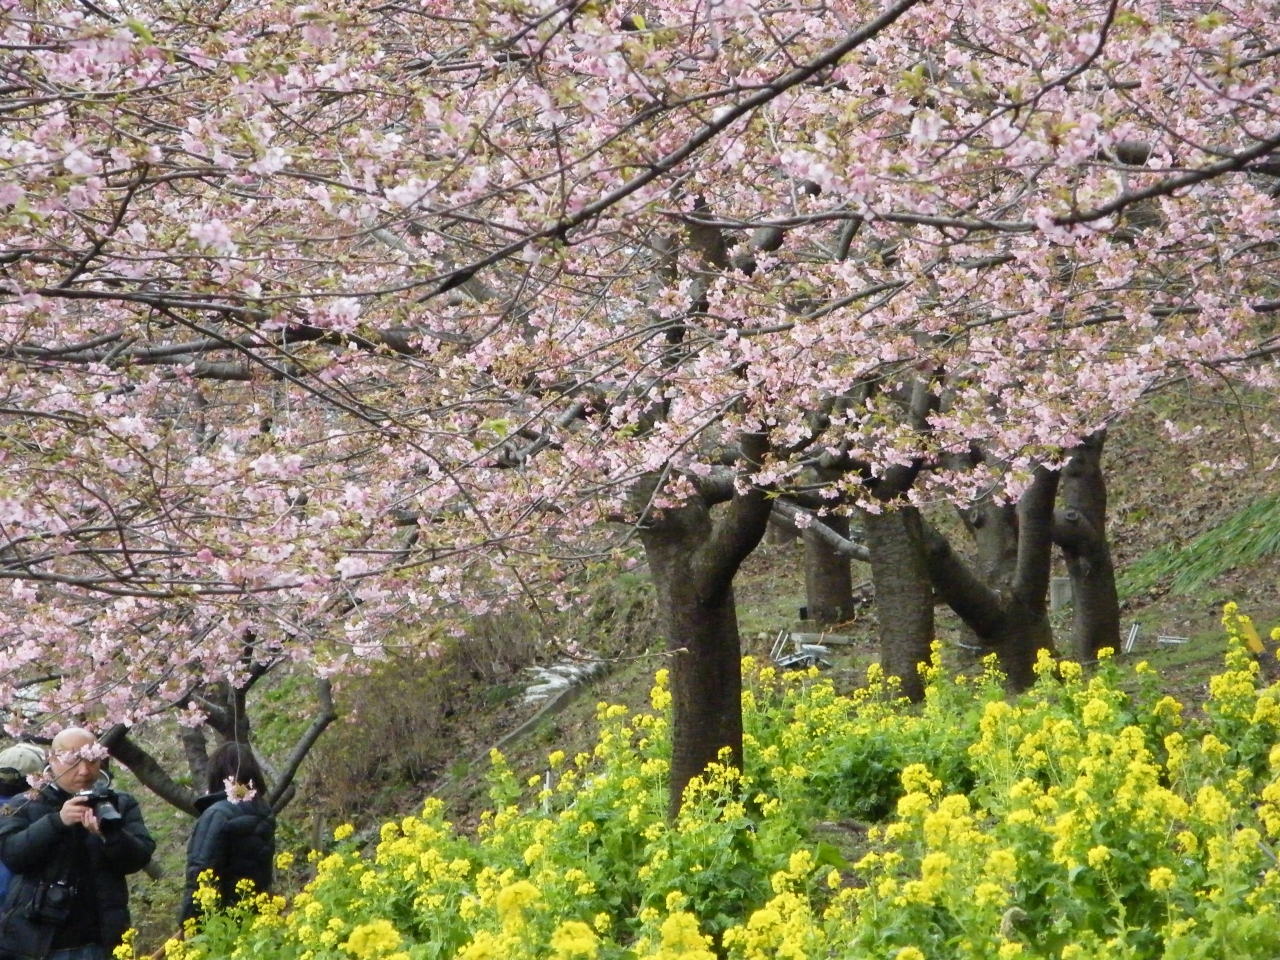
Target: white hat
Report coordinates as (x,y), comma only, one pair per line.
(24,758)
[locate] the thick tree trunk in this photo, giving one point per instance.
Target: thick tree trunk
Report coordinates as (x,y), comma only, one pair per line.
(781,533)
(1080,530)
(1023,631)
(904,595)
(706,669)
(694,557)
(828,577)
(899,565)
(1012,621)
(226,707)
(994,528)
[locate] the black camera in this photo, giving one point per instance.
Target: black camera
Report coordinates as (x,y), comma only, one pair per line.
(102,801)
(51,903)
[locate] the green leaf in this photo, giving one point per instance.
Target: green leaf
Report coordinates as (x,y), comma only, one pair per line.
(829,856)
(500,426)
(140,30)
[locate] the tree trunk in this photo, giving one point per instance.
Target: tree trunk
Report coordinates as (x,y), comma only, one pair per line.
(1023,631)
(693,558)
(195,747)
(226,707)
(994,528)
(904,595)
(1080,530)
(828,577)
(706,669)
(895,549)
(1012,622)
(780,534)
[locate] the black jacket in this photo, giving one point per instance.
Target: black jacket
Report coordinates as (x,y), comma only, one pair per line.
(237,841)
(37,846)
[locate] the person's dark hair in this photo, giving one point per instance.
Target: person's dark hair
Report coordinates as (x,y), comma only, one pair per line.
(235,760)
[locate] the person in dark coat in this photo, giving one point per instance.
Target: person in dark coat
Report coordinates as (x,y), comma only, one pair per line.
(68,898)
(235,838)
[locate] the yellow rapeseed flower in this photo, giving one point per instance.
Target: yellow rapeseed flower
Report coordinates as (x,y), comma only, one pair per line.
(1069,670)
(660,696)
(934,869)
(917,779)
(1002,864)
(989,895)
(125,950)
(573,938)
(1161,879)
(1095,713)
(1211,806)
(372,940)
(511,901)
(484,946)
(681,939)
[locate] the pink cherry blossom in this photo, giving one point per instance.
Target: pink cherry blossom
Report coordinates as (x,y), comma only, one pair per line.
(321,323)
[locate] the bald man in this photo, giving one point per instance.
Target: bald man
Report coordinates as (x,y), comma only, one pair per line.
(68,899)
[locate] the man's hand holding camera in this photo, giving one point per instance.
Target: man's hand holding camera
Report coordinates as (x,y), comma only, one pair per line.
(77,810)
(94,809)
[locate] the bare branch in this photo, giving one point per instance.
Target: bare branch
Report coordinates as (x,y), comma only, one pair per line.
(814,529)
(325,715)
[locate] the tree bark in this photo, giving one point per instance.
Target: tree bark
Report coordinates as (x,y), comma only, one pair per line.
(282,791)
(693,558)
(781,532)
(1080,530)
(706,667)
(904,595)
(1013,621)
(147,769)
(896,547)
(195,747)
(994,528)
(828,576)
(225,708)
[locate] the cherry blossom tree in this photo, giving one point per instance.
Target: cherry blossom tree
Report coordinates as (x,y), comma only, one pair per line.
(319,321)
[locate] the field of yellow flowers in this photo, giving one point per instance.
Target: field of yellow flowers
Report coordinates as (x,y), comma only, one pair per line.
(1088,818)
